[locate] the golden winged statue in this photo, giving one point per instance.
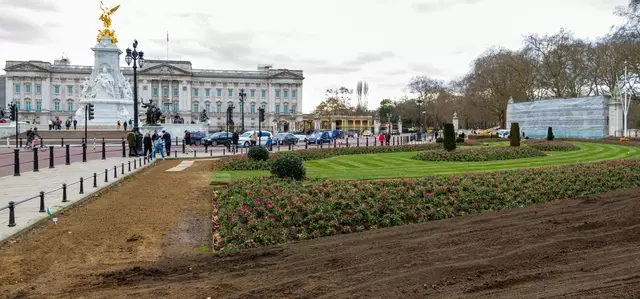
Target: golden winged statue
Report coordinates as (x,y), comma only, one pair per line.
(105,17)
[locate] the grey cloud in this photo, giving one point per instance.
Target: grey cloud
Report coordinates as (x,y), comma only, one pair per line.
(20,30)
(439,5)
(32,5)
(364,58)
(397,72)
(396,85)
(426,69)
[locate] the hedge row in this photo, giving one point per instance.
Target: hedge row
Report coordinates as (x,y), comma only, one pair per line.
(242,163)
(479,154)
(552,146)
(260,212)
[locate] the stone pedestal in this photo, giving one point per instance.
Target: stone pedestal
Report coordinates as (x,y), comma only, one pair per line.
(615,115)
(333,124)
(316,123)
(400,127)
(456,124)
(376,126)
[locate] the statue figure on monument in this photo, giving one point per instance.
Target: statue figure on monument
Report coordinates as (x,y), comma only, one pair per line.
(128,93)
(203,116)
(105,17)
(88,90)
(106,82)
(153,112)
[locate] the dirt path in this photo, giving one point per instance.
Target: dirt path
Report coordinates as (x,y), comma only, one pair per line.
(156,216)
(587,248)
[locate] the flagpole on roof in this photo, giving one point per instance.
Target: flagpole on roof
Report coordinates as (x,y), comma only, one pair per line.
(167,46)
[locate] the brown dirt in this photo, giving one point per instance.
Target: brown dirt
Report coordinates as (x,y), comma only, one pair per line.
(123,247)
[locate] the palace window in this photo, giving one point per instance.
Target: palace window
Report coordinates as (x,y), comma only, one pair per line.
(252,93)
(165,91)
(17,88)
(56,89)
(230,93)
(218,92)
(195,92)
(56,107)
(294,94)
(286,108)
(195,107)
(293,109)
(27,105)
(207,92)
(218,108)
(176,107)
(70,90)
(38,89)
(27,88)
(252,109)
(286,93)
(277,108)
(264,93)
(264,106)
(165,107)
(18,105)
(38,106)
(70,106)
(175,92)
(155,91)
(208,107)
(277,93)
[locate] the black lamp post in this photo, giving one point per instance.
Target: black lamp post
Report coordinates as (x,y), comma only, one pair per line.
(389,122)
(420,101)
(138,61)
(243,97)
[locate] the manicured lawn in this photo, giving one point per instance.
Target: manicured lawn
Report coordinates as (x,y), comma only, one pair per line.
(398,165)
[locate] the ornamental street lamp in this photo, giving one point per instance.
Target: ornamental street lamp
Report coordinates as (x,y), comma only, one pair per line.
(243,97)
(138,61)
(389,122)
(420,101)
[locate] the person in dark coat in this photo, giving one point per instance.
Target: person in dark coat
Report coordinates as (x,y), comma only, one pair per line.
(148,145)
(235,138)
(167,141)
(75,124)
(155,136)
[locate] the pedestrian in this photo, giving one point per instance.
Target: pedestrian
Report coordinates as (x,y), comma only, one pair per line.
(254,138)
(187,141)
(148,144)
(381,138)
(118,125)
(75,123)
(158,148)
(131,140)
(67,124)
(235,139)
(125,126)
(155,136)
(167,141)
(50,125)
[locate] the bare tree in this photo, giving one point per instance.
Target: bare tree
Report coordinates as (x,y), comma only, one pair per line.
(359,93)
(365,92)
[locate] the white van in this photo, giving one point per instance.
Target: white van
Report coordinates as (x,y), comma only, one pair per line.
(503,133)
(244,140)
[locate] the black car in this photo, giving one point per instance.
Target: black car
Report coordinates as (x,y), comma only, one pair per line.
(219,138)
(196,138)
(285,138)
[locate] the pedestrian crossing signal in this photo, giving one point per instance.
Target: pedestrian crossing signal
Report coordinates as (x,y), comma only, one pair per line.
(90,108)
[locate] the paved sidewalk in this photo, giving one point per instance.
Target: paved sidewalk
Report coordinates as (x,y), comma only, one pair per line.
(29,185)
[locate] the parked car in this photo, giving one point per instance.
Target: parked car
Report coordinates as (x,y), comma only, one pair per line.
(245,138)
(320,137)
(352,133)
(366,133)
(301,137)
(219,138)
(196,138)
(285,139)
(395,132)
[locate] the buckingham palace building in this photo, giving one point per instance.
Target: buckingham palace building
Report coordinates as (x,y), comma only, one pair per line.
(47,91)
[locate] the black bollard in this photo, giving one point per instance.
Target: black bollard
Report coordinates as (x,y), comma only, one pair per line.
(12,214)
(358,142)
(145,160)
(35,160)
(104,150)
(64,193)
(42,210)
(51,157)
(122,168)
(140,161)
(124,151)
(176,154)
(81,185)
(62,142)
(129,167)
(84,152)
(20,141)
(223,152)
(335,142)
(194,153)
(306,145)
(135,164)
(95,180)
(68,156)
(184,146)
(367,141)
(16,162)
(115,172)
(106,175)
(177,141)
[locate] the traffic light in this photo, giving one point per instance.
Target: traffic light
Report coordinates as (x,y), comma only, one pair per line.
(13,114)
(229,114)
(90,108)
(261,114)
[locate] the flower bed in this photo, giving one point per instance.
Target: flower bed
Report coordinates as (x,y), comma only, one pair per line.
(242,163)
(617,141)
(480,154)
(552,146)
(262,212)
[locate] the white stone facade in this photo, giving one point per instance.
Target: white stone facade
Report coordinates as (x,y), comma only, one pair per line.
(48,91)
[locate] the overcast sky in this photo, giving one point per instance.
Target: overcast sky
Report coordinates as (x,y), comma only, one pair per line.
(336,43)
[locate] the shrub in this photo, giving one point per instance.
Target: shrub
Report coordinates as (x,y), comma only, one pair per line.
(459,139)
(262,212)
(288,167)
(480,154)
(258,153)
(439,140)
(514,134)
(552,146)
(449,137)
(550,134)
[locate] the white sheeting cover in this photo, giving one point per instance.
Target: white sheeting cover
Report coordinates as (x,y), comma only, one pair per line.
(569,118)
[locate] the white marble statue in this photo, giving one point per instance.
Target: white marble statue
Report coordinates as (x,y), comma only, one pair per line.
(128,93)
(123,113)
(88,89)
(106,82)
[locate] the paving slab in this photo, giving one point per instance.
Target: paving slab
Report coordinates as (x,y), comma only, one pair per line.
(25,189)
(182,166)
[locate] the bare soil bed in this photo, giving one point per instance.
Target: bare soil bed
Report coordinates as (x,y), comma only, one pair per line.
(146,246)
